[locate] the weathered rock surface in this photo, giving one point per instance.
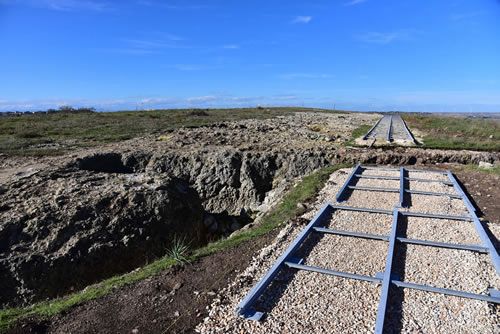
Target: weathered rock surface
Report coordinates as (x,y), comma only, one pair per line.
(61,231)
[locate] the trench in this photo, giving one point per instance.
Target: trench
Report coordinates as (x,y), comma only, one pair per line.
(132,206)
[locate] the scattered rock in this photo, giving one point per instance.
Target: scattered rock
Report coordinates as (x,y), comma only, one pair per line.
(485,165)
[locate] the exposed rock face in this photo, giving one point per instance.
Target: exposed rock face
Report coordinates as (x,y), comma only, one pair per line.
(70,230)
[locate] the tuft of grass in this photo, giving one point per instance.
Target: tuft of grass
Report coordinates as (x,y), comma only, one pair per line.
(179,249)
(456,133)
(305,190)
(495,170)
(359,132)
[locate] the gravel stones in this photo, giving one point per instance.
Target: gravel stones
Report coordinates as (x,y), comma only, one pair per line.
(305,302)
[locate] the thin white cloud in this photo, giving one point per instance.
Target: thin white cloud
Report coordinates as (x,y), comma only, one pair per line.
(302,19)
(153,44)
(200,99)
(231,46)
(286,97)
(306,76)
(168,6)
(63,5)
(354,2)
(464,16)
(152,100)
(129,51)
(375,37)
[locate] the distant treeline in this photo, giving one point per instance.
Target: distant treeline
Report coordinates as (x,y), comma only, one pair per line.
(61,110)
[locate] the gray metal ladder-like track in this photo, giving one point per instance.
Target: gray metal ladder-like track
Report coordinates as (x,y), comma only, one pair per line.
(387,278)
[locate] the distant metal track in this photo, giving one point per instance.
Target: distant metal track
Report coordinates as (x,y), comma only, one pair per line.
(396,129)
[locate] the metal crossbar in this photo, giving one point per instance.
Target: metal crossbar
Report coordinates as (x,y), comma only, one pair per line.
(387,278)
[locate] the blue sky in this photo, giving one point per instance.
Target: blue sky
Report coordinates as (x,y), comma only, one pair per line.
(353,54)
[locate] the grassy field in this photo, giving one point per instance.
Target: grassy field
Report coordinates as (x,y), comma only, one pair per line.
(456,133)
(277,217)
(54,133)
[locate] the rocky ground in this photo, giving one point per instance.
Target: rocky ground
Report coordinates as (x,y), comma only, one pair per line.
(71,220)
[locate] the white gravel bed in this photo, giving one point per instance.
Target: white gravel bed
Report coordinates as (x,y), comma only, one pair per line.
(379,172)
(441,230)
(446,268)
(377,183)
(429,176)
(441,205)
(343,253)
(362,222)
(416,311)
(306,302)
(372,200)
(432,186)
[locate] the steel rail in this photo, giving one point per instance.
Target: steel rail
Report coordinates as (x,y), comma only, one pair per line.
(389,130)
(341,192)
(403,213)
(397,283)
(386,282)
(408,169)
(436,216)
(244,307)
(407,130)
(417,192)
(333,272)
(395,178)
(383,237)
(393,190)
(477,225)
(402,182)
(371,130)
(448,292)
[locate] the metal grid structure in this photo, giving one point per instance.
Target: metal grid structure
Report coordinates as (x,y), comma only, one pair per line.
(390,119)
(386,278)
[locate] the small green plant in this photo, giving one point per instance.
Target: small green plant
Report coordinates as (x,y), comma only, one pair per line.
(179,249)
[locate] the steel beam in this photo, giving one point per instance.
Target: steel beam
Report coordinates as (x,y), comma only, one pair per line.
(402,182)
(371,130)
(352,234)
(472,248)
(417,192)
(341,192)
(428,180)
(333,272)
(407,130)
(431,215)
(386,282)
(352,208)
(391,190)
(389,130)
(379,177)
(448,292)
(477,225)
(426,171)
(254,294)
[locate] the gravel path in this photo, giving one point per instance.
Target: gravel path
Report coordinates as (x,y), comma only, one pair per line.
(305,302)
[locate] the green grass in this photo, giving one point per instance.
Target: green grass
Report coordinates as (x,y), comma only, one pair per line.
(456,133)
(30,134)
(359,132)
(287,209)
(495,170)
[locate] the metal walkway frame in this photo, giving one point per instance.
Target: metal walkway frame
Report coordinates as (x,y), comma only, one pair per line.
(389,136)
(387,278)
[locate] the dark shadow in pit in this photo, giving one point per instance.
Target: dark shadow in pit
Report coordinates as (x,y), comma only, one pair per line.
(394,315)
(104,163)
